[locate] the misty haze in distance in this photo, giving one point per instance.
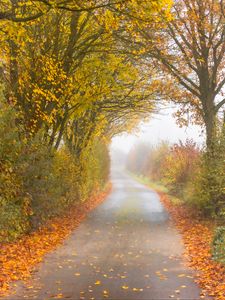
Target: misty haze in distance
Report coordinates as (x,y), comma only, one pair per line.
(160,127)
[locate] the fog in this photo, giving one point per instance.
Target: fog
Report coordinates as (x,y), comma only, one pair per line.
(160,127)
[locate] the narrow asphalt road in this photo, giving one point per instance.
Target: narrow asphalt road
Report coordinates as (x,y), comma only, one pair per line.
(127,248)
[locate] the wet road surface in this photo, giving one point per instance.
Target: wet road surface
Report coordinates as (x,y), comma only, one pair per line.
(127,248)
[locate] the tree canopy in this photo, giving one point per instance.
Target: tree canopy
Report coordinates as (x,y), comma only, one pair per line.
(64,67)
(189,50)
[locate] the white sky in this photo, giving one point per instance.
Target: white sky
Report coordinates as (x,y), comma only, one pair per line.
(160,127)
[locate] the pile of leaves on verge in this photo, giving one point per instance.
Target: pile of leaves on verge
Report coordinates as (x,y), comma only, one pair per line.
(197,236)
(17,259)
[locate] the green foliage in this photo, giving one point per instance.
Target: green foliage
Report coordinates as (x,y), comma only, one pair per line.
(155,160)
(72,87)
(38,182)
(207,189)
(14,201)
(197,177)
(171,166)
(59,180)
(218,245)
(178,165)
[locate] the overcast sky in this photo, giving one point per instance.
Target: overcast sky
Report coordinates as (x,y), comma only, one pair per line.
(162,127)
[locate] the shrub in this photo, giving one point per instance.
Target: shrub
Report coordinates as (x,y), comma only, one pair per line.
(155,160)
(208,185)
(196,176)
(37,182)
(173,166)
(218,245)
(179,166)
(14,201)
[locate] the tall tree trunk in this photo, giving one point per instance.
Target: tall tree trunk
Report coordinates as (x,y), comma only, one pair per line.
(209,115)
(210,123)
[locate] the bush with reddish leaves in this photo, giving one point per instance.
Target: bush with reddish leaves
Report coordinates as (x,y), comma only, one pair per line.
(173,166)
(179,165)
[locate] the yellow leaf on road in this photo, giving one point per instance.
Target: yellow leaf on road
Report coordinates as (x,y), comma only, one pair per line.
(125,287)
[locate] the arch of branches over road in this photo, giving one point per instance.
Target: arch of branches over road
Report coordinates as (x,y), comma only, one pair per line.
(75,69)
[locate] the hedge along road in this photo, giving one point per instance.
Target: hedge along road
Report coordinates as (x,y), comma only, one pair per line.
(127,248)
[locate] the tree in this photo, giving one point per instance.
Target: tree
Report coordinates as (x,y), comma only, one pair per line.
(190,49)
(77,77)
(25,11)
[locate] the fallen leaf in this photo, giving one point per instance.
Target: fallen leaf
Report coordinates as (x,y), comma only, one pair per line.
(125,287)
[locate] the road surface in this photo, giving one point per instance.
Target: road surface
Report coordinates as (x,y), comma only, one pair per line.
(127,248)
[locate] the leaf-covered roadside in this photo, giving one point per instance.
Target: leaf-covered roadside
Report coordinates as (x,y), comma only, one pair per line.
(17,259)
(197,236)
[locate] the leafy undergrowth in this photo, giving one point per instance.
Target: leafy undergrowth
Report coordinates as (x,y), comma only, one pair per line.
(197,236)
(17,259)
